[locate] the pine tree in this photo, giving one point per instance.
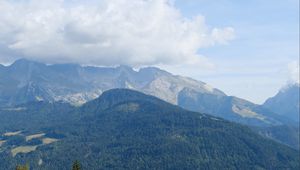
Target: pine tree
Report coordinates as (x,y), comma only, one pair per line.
(76,165)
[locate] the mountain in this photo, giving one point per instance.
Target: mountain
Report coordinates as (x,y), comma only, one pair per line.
(25,81)
(268,124)
(286,102)
(125,129)
(228,107)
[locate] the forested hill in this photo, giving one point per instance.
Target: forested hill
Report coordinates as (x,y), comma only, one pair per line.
(125,129)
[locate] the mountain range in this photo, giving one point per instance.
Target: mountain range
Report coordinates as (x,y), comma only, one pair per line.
(126,129)
(27,81)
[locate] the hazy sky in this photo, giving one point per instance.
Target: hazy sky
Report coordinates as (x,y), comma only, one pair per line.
(246,48)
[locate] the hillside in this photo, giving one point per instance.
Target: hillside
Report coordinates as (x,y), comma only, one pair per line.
(125,129)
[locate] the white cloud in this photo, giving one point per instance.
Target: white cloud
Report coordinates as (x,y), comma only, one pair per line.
(106,32)
(293,68)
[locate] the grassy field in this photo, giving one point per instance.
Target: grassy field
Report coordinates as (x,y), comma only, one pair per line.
(12,133)
(47,141)
(23,149)
(30,137)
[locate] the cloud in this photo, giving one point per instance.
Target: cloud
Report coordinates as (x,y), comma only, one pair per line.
(293,68)
(106,32)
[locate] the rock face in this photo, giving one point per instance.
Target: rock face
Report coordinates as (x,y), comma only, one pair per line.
(286,102)
(26,81)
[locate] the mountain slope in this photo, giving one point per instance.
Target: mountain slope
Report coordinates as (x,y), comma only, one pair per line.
(274,126)
(231,108)
(285,134)
(286,102)
(125,129)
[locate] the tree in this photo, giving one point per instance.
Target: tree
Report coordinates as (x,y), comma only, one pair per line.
(76,165)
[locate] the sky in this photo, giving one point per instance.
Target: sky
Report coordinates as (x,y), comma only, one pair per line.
(248,49)
(263,57)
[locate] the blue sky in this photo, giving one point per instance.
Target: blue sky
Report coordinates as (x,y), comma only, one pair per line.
(255,64)
(248,49)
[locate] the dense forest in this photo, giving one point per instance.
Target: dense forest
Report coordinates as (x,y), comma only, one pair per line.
(125,129)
